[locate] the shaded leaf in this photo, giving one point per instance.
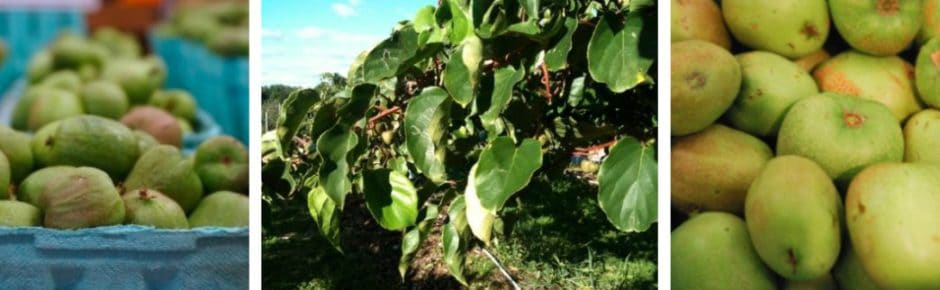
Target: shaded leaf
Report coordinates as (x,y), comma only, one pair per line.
(620,55)
(457,79)
(454,252)
(460,25)
(293,113)
(531,7)
(333,146)
(391,55)
(556,58)
(627,185)
(391,198)
(504,169)
(326,214)
(413,239)
(426,120)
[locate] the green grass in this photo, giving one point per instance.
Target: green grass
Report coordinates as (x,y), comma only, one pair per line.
(553,237)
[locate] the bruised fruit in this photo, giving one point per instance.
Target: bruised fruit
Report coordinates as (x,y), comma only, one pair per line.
(842,134)
(221,209)
(105,99)
(4,177)
(152,208)
(156,122)
(928,73)
(822,283)
(83,197)
(810,61)
(892,218)
(793,214)
(51,105)
(16,146)
(877,27)
(222,164)
(792,28)
(163,168)
(699,19)
(712,169)
(705,80)
(849,272)
(712,251)
(888,80)
(87,141)
(177,102)
(19,214)
(770,84)
(922,137)
(29,190)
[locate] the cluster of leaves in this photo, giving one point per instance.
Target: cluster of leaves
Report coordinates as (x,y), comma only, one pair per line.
(455,112)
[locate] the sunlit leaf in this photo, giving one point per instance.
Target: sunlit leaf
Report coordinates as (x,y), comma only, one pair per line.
(294,111)
(620,54)
(426,120)
(391,198)
(503,82)
(326,214)
(627,181)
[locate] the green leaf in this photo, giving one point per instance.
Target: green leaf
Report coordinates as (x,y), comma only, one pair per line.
(326,214)
(293,113)
(426,120)
(556,58)
(323,119)
(576,92)
(460,23)
(391,198)
(531,7)
(504,169)
(454,249)
(391,55)
(457,79)
(424,19)
(479,219)
(620,55)
(627,181)
(360,102)
(504,80)
(333,146)
(413,239)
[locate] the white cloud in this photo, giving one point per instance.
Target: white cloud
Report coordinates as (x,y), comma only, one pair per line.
(343,10)
(271,33)
(354,2)
(310,32)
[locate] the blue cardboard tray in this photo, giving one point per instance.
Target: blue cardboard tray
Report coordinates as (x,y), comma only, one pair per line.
(219,84)
(27,30)
(124,257)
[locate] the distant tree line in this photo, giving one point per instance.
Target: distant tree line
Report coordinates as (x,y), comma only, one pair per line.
(273,95)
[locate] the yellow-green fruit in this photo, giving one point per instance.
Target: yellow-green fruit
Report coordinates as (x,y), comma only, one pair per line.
(222,164)
(52,105)
(842,134)
(138,77)
(892,218)
(888,80)
(822,283)
(145,141)
(927,76)
(792,28)
(793,214)
(39,66)
(152,208)
(221,209)
(4,177)
(177,102)
(19,214)
(66,80)
(105,99)
(922,137)
(850,274)
(163,168)
(71,51)
(810,61)
(472,55)
(712,169)
(770,85)
(16,146)
(877,27)
(705,80)
(84,197)
(32,186)
(87,141)
(712,251)
(699,19)
(21,111)
(931,21)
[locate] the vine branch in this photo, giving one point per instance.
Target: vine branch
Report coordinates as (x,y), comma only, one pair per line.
(581,151)
(382,114)
(547,82)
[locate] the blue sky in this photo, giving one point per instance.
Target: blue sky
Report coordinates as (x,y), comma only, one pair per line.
(302,39)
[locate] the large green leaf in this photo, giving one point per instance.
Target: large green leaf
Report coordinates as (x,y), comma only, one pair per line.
(620,55)
(426,121)
(460,25)
(479,219)
(333,146)
(503,82)
(413,239)
(326,214)
(531,7)
(359,103)
(556,58)
(323,119)
(504,169)
(424,19)
(457,79)
(391,198)
(453,240)
(391,55)
(628,186)
(293,113)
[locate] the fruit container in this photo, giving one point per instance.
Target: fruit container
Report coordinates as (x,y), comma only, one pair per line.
(219,84)
(205,126)
(43,20)
(124,257)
